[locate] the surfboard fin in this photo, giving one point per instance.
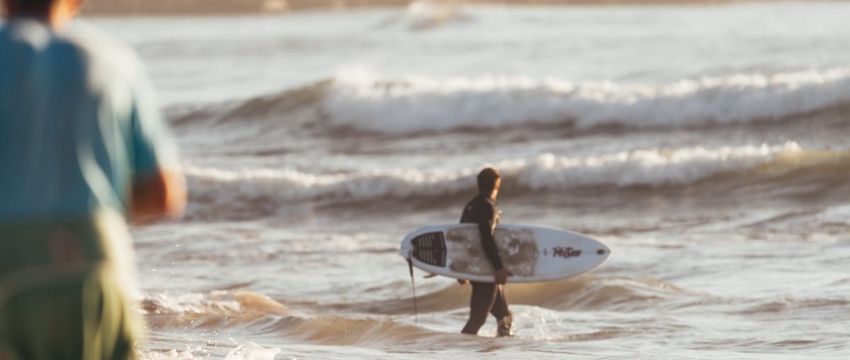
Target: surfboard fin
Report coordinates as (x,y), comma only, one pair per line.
(429,276)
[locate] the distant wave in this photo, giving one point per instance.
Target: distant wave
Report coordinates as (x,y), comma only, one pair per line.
(652,168)
(411,104)
(289,184)
(376,103)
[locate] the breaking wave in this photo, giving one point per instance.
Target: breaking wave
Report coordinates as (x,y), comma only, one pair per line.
(398,105)
(263,191)
(412,104)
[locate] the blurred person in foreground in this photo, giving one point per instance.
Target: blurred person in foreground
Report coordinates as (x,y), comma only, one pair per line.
(487,297)
(83,148)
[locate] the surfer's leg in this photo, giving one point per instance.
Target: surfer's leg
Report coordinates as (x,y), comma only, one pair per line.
(501,311)
(483,295)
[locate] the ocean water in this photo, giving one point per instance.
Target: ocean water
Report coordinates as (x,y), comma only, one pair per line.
(706,145)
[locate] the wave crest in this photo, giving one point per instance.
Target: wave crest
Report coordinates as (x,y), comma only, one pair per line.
(369,102)
(411,104)
(249,193)
(655,167)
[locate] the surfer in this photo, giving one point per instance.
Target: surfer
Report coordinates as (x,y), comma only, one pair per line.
(487,297)
(83,146)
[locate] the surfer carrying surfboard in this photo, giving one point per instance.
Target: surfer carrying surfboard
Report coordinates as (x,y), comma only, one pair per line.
(487,297)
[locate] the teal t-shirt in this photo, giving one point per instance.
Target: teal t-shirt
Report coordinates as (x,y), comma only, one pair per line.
(78,122)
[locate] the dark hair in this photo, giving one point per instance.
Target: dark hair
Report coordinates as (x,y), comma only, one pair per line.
(36,7)
(487,180)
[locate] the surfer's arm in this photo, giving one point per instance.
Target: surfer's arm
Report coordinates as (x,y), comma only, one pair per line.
(486,225)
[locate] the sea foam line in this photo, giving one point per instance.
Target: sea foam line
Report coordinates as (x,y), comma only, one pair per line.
(655,167)
(650,167)
(411,104)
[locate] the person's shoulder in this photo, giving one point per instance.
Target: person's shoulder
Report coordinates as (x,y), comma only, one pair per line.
(481,202)
(24,32)
(100,48)
(97,41)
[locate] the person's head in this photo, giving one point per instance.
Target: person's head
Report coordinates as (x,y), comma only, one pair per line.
(489,182)
(55,12)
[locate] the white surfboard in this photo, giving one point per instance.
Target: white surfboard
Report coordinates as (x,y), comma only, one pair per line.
(530,253)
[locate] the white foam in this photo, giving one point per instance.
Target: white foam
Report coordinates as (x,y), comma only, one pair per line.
(649,167)
(289,184)
(251,351)
(655,167)
(192,303)
(246,351)
(172,354)
(410,104)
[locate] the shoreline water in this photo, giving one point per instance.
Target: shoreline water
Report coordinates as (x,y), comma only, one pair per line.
(97,8)
(709,154)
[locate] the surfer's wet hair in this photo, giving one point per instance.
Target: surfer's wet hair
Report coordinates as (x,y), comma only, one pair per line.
(487,180)
(30,7)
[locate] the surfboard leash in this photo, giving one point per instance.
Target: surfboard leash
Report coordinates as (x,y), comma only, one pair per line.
(413,284)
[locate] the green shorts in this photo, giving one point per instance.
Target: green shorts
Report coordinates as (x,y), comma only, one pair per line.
(64,289)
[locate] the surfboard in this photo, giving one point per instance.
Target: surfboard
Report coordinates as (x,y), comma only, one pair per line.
(531,253)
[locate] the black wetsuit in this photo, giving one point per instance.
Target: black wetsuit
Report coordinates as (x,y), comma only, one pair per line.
(487,297)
